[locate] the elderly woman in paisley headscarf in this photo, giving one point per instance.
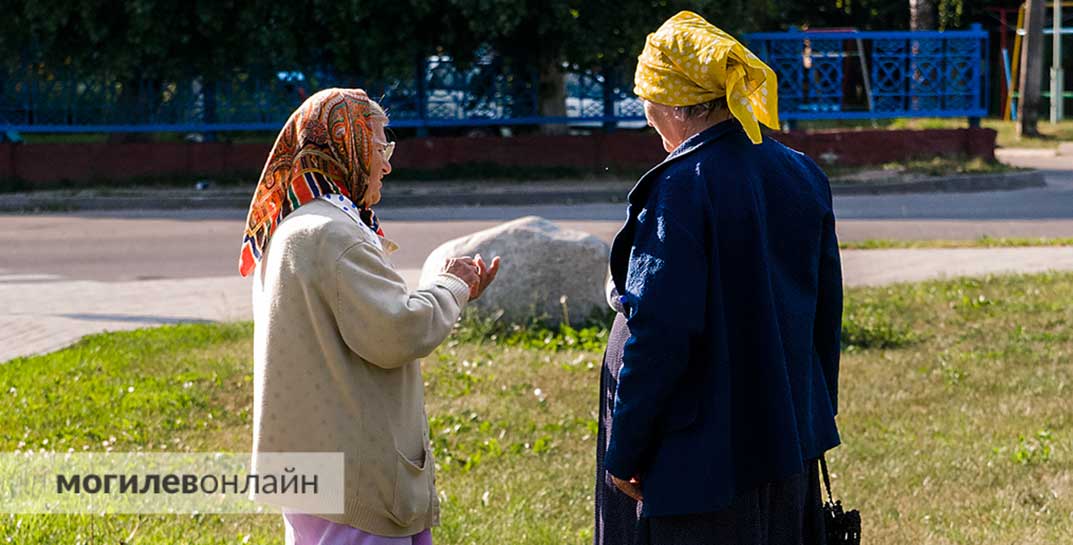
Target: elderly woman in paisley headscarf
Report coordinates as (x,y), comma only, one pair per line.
(337,333)
(720,379)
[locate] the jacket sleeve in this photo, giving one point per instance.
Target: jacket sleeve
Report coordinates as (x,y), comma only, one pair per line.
(827,331)
(380,319)
(665,297)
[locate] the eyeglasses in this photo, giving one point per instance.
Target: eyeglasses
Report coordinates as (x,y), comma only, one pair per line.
(389,149)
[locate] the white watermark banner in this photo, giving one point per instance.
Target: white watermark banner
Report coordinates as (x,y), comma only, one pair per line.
(162,483)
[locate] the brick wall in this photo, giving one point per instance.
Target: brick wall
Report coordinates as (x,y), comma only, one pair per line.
(879,146)
(42,164)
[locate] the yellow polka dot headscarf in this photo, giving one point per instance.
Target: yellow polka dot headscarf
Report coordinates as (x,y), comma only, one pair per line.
(689,61)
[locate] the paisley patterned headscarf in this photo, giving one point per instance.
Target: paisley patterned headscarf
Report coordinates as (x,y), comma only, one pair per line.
(325,148)
(689,61)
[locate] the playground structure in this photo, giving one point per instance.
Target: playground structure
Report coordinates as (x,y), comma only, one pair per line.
(1057,95)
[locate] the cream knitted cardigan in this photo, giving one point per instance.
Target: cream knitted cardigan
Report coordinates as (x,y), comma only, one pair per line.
(337,337)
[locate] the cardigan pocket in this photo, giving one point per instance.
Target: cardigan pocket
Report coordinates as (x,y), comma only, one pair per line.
(413,488)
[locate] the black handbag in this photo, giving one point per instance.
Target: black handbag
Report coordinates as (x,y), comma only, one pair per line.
(842,527)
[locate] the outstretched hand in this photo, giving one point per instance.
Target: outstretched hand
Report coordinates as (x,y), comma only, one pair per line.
(487,274)
(464,268)
(474,272)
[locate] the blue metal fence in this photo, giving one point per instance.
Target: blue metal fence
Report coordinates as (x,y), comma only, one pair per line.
(847,75)
(484,93)
(822,75)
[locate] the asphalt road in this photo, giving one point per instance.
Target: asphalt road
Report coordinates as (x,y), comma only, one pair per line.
(145,245)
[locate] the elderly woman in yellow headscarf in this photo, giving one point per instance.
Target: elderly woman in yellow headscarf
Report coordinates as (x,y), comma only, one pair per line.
(337,333)
(720,380)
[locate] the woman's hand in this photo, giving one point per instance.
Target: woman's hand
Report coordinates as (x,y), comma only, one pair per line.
(474,272)
(487,274)
(631,488)
(465,268)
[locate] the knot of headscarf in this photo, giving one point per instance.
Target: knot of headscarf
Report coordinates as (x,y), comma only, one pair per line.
(324,148)
(689,61)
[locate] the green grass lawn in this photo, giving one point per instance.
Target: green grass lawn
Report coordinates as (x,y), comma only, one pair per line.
(982,242)
(956,414)
(913,169)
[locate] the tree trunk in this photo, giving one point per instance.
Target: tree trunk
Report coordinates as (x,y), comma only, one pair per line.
(1031,70)
(209,90)
(552,92)
(922,14)
(610,78)
(130,109)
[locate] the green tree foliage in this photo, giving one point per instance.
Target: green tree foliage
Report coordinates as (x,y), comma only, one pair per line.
(590,33)
(859,14)
(374,39)
(550,35)
(371,38)
(145,38)
(363,40)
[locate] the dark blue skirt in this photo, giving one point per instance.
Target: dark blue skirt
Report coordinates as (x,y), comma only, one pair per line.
(787,512)
(616,513)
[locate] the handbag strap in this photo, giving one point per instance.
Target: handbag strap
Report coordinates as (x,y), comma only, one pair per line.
(826,478)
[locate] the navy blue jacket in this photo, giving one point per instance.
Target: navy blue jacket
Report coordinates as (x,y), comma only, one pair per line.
(730,274)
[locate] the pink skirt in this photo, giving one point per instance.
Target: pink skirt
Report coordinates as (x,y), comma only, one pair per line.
(310,530)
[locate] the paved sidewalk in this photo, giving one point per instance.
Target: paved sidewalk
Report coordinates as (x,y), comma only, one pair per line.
(42,313)
(879,267)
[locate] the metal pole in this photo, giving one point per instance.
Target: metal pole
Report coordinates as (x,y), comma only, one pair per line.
(1009,83)
(1004,47)
(1056,65)
(1015,90)
(864,72)
(981,68)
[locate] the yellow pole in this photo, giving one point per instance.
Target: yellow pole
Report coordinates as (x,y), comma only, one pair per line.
(1016,62)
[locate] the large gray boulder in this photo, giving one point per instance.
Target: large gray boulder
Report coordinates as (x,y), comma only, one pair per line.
(541,263)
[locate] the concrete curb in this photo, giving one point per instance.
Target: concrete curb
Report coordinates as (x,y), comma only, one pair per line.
(474,195)
(969,183)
